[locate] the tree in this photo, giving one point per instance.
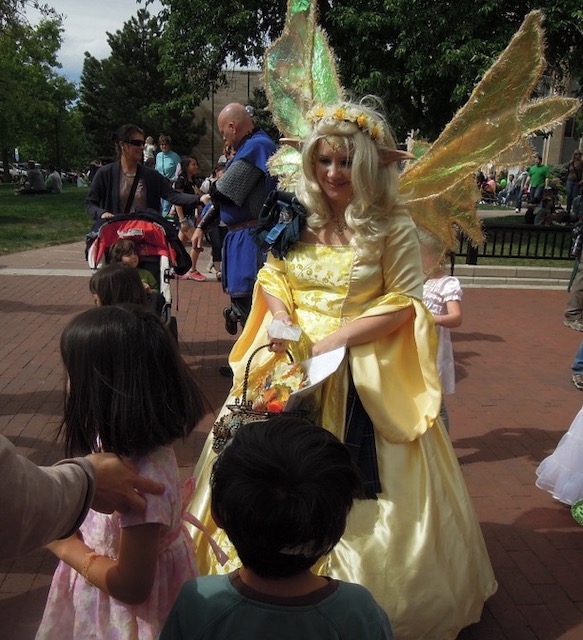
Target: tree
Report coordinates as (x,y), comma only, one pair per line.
(198,43)
(33,98)
(114,92)
(421,57)
(13,12)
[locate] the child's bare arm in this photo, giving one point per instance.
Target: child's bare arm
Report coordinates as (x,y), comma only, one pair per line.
(453,317)
(128,579)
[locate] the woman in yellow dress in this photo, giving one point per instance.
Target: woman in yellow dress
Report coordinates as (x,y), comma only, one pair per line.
(354,279)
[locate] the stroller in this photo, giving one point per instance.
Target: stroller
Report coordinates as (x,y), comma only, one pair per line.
(158,246)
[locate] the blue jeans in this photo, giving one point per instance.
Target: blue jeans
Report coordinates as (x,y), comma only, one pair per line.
(573,189)
(578,362)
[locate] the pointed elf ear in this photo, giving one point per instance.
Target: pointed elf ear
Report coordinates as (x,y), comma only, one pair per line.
(386,156)
(296,143)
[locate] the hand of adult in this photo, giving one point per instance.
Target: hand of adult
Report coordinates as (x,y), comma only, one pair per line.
(118,485)
(205,198)
(106,214)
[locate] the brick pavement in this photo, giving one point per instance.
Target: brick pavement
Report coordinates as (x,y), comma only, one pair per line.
(514,400)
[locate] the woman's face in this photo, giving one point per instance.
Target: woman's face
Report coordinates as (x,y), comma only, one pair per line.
(192,168)
(334,172)
(131,149)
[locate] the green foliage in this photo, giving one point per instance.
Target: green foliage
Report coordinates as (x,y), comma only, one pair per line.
(200,40)
(34,99)
(114,91)
(422,58)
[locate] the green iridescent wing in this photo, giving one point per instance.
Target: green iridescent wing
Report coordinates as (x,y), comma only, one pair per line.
(493,126)
(299,71)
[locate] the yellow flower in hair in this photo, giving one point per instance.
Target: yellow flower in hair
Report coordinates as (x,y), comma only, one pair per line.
(376,132)
(339,114)
(361,121)
(319,113)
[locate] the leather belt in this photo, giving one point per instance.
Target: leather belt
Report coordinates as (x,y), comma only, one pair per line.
(243,225)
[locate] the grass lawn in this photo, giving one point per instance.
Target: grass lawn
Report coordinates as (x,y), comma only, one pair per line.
(29,222)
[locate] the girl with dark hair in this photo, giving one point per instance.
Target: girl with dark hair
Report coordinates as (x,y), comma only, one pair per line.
(117,283)
(127,185)
(129,392)
(188,215)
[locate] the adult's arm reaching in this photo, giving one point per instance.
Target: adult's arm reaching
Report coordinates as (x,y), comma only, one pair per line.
(41,504)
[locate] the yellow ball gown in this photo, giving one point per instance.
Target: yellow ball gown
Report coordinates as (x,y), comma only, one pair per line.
(418,548)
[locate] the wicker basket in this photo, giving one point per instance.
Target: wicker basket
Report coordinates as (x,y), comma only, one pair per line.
(242,412)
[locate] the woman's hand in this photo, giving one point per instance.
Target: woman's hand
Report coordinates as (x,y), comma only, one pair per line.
(106,214)
(277,346)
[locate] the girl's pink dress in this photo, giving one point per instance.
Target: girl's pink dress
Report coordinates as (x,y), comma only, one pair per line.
(77,609)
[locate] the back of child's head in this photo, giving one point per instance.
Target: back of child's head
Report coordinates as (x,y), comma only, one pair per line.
(282,490)
(129,390)
(121,248)
(117,283)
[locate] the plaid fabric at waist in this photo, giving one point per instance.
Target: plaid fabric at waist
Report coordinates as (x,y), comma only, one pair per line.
(360,441)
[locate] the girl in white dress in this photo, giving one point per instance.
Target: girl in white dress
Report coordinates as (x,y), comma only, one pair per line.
(561,473)
(442,295)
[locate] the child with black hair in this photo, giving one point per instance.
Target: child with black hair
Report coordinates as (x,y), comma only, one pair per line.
(117,283)
(129,392)
(282,490)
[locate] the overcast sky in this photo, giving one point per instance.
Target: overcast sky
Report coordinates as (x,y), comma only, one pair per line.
(85,26)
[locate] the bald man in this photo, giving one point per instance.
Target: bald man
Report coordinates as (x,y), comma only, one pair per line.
(238,196)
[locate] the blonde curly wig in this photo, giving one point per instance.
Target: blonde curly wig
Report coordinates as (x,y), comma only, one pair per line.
(374,181)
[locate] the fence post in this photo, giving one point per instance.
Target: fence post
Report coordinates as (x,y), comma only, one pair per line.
(472,254)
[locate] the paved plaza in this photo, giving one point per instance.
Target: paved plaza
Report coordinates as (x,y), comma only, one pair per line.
(514,400)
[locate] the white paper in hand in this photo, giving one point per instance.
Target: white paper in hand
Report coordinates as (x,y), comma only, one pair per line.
(317,369)
(281,331)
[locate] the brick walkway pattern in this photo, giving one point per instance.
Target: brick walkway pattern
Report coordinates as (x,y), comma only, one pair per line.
(514,400)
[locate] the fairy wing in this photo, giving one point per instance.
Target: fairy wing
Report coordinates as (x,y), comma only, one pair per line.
(493,126)
(299,71)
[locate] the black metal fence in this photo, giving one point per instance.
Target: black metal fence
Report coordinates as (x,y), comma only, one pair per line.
(536,242)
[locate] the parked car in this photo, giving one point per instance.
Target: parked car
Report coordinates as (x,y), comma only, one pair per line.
(18,171)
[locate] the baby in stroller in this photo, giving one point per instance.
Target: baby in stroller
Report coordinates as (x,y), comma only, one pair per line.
(154,242)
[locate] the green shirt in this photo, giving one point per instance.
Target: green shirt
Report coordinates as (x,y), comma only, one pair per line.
(224,608)
(538,175)
(148,278)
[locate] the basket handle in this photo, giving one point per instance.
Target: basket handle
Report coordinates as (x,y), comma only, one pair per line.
(248,369)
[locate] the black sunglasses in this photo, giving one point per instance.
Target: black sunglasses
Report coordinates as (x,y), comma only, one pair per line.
(136,143)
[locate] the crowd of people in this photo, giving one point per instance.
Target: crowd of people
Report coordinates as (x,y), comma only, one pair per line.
(534,188)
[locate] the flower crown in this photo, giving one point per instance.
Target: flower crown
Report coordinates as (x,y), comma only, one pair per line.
(349,113)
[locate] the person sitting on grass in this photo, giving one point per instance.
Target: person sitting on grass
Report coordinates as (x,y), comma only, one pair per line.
(282,490)
(34,180)
(53,182)
(543,213)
